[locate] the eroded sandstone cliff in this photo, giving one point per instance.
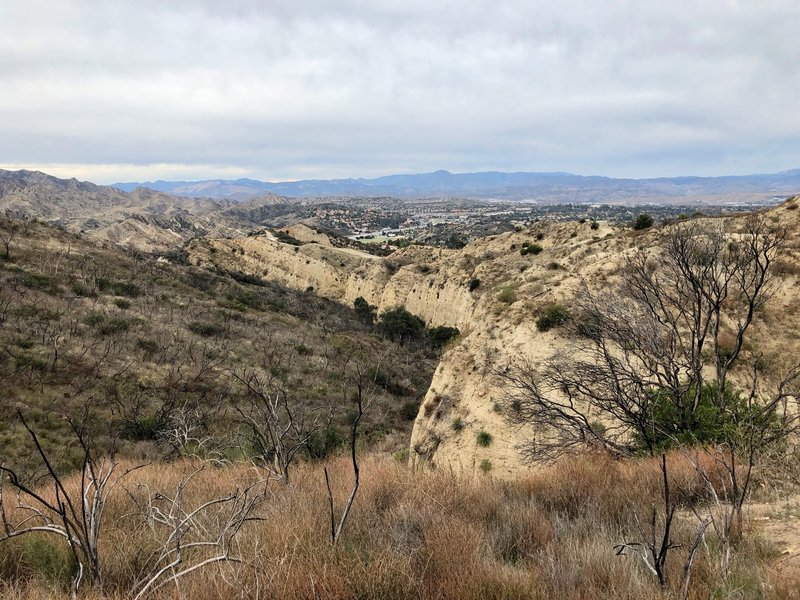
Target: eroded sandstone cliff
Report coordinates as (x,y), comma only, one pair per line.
(492,292)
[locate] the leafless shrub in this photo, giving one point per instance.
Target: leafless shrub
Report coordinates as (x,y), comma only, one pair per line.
(193,538)
(76,517)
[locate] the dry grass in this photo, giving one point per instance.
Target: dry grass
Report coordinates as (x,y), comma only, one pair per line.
(412,535)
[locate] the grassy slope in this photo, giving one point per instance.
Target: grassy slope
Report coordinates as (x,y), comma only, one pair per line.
(417,535)
(137,339)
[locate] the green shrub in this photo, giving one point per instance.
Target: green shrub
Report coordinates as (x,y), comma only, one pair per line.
(530,249)
(484,439)
(594,225)
(439,336)
(399,324)
(384,379)
(364,310)
(410,410)
(508,294)
(115,325)
(94,318)
(82,290)
(35,281)
(25,343)
(457,424)
(119,288)
(324,442)
(401,455)
(485,466)
(47,559)
(141,429)
(149,346)
(286,238)
(247,299)
(204,329)
(122,303)
(246,278)
(552,316)
(473,284)
(674,423)
(643,221)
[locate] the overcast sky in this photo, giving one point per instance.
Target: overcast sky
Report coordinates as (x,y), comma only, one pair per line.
(114,90)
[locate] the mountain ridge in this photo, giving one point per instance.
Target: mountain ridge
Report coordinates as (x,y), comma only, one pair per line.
(486,185)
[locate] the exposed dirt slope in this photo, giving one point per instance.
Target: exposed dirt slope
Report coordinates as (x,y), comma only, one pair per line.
(492,293)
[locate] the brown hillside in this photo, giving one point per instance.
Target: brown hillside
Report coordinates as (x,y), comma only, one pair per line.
(496,317)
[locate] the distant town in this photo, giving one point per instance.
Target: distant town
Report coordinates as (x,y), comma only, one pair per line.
(455,222)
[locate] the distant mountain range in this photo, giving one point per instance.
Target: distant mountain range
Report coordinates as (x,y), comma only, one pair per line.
(544,187)
(165,217)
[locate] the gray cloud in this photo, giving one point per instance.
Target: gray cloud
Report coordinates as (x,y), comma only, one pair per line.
(285,89)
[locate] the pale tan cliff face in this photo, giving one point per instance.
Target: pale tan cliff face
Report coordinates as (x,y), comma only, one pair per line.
(496,319)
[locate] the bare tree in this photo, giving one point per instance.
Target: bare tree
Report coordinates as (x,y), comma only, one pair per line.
(8,231)
(76,517)
(656,541)
(361,405)
(193,538)
(641,349)
(633,373)
(276,432)
(187,433)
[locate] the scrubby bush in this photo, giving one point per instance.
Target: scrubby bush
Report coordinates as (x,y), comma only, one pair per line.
(675,422)
(114,325)
(94,318)
(439,336)
(119,288)
(508,294)
(364,309)
(530,249)
(400,325)
(204,329)
(473,284)
(409,410)
(643,221)
(286,238)
(484,439)
(552,316)
(324,442)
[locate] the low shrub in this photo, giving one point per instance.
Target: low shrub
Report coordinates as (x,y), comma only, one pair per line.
(530,249)
(552,316)
(115,325)
(484,439)
(438,337)
(507,295)
(204,329)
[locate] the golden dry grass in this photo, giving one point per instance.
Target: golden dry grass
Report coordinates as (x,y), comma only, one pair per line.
(411,535)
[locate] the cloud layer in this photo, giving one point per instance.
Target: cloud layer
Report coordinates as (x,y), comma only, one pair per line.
(287,90)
